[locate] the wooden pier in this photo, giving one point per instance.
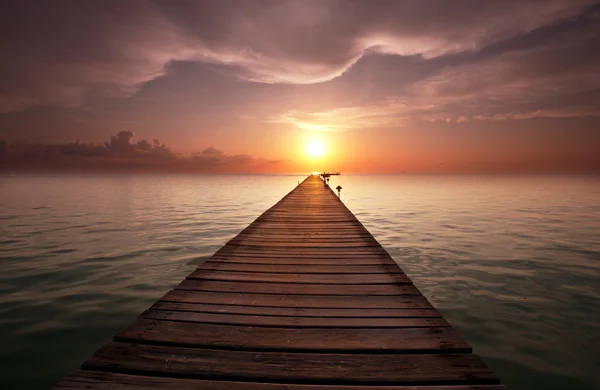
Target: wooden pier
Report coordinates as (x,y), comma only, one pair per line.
(302,299)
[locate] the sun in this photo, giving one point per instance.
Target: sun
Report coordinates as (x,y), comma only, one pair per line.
(315,148)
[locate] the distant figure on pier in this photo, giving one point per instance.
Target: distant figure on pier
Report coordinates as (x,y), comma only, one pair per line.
(339,188)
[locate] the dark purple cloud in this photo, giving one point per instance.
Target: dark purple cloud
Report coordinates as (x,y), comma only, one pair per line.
(561,79)
(121,153)
(553,73)
(64,52)
(214,157)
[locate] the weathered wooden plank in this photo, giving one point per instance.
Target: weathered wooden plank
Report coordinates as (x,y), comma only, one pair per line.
(274,260)
(295,245)
(300,301)
(292,367)
(330,258)
(266,227)
(278,237)
(356,340)
(323,211)
(330,279)
(335,269)
(303,221)
(317,212)
(298,252)
(327,253)
(332,250)
(93,380)
(306,225)
(299,289)
(294,322)
(283,234)
(294,240)
(312,217)
(303,237)
(292,311)
(312,221)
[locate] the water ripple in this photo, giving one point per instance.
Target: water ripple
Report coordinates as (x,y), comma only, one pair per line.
(512,262)
(514,268)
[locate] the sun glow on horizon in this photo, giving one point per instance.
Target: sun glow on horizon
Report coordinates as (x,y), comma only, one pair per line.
(316,148)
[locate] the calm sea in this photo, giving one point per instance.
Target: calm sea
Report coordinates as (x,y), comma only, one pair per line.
(512,261)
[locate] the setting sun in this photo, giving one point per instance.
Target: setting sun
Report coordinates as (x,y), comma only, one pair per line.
(315,148)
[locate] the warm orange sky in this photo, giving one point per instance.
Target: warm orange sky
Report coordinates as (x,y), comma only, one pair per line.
(387,86)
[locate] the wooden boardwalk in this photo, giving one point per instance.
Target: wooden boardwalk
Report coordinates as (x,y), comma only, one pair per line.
(302,299)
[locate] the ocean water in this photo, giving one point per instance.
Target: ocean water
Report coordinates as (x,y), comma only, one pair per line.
(513,262)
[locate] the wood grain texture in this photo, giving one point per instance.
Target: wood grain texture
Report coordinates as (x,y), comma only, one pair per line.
(304,269)
(300,278)
(303,260)
(93,380)
(388,340)
(292,367)
(304,298)
(294,321)
(298,289)
(326,252)
(299,301)
(287,311)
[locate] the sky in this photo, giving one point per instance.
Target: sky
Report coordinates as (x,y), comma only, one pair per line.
(465,86)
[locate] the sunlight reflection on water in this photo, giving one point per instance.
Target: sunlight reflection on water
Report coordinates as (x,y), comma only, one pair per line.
(512,261)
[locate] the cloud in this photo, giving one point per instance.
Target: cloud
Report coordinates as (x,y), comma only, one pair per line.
(100,49)
(122,153)
(388,113)
(215,157)
(558,79)
(112,48)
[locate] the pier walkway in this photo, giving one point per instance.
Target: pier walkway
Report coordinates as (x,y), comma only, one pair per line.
(304,298)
